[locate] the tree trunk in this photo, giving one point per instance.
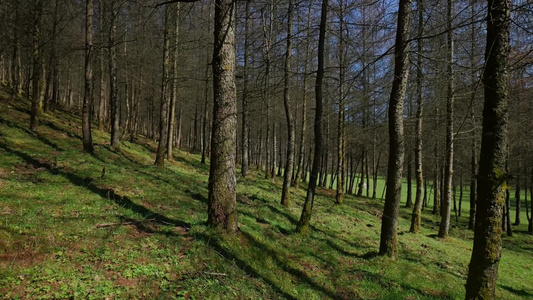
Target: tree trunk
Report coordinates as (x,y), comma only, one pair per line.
(206,115)
(448,171)
(174,95)
(113,87)
(285,193)
(165,92)
(517,198)
(341,142)
(222,205)
(305,218)
(483,269)
(409,200)
(37,66)
(416,218)
(301,154)
(389,240)
(88,92)
(473,160)
(245,126)
(102,103)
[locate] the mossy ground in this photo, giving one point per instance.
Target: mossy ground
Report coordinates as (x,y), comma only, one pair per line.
(52,197)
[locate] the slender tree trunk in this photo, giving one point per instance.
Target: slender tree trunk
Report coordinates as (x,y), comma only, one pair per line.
(528,217)
(517,197)
(409,200)
(461,192)
(305,218)
(448,172)
(473,160)
(483,269)
(245,126)
(301,154)
(375,175)
(222,205)
(88,92)
(341,142)
(285,192)
(102,103)
(37,67)
(416,218)
(206,114)
(173,97)
(389,240)
(113,86)
(165,92)
(508,212)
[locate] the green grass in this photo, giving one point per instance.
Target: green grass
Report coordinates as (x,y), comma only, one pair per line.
(52,198)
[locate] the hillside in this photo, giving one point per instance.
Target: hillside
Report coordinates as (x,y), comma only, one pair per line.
(68,231)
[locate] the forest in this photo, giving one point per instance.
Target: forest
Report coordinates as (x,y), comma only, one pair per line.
(270,149)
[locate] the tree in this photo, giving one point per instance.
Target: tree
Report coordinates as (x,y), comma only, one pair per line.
(417,209)
(305,218)
(448,171)
(492,178)
(341,139)
(388,242)
(165,92)
(285,193)
(113,86)
(37,66)
(245,123)
(88,95)
(222,202)
(174,95)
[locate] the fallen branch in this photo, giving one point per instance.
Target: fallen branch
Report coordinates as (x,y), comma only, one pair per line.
(121,223)
(216,274)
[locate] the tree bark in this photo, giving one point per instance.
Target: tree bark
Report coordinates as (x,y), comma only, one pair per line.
(37,66)
(305,218)
(341,142)
(165,92)
(285,192)
(389,239)
(245,126)
(173,97)
(113,86)
(448,171)
(483,269)
(222,205)
(416,218)
(88,92)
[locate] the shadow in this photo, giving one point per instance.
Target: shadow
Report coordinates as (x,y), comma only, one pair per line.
(102,192)
(197,196)
(521,293)
(59,129)
(266,250)
(32,134)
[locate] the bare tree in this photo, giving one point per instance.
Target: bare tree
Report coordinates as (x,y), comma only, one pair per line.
(483,268)
(305,218)
(165,92)
(285,193)
(88,95)
(222,205)
(389,239)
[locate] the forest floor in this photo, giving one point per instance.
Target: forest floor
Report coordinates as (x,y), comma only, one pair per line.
(139,231)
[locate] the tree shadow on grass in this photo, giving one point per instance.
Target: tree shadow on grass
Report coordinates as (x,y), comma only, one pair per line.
(110,194)
(521,293)
(260,247)
(32,134)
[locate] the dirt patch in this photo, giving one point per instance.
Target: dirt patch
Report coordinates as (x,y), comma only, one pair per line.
(436,293)
(326,192)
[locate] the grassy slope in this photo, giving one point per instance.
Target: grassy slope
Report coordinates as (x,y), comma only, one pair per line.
(52,198)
